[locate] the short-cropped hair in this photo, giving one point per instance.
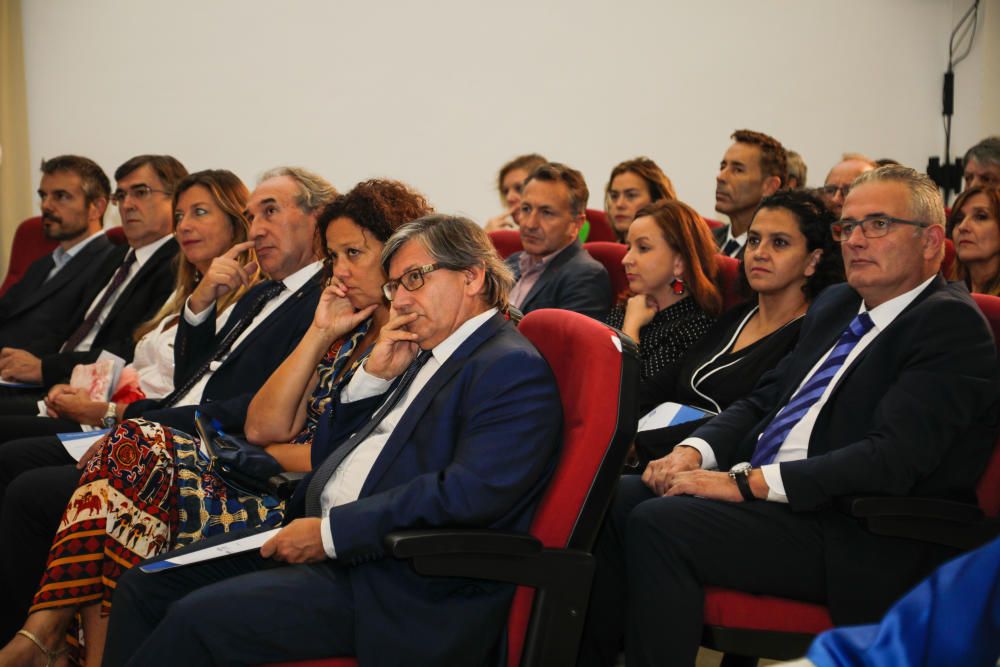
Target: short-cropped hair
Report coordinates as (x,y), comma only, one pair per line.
(93,180)
(456,243)
(926,204)
(773,158)
(796,169)
(555,172)
(986,151)
(168,169)
(315,192)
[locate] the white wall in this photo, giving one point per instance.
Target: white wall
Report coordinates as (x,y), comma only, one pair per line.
(441,94)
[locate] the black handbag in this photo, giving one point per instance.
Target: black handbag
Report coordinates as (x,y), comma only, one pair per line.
(242,466)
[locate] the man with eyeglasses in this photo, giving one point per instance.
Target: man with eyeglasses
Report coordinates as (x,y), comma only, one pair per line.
(141,279)
(893,389)
(838,181)
(43,308)
(453,420)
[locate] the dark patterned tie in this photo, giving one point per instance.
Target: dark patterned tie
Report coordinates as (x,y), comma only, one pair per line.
(88,324)
(731,249)
(326,469)
(268,291)
(811,390)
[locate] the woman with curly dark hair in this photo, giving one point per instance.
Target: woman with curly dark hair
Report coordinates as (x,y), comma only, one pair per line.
(789,258)
(123,513)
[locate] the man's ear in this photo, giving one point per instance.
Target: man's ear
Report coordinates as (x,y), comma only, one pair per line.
(97,208)
(771,185)
(934,242)
(475,278)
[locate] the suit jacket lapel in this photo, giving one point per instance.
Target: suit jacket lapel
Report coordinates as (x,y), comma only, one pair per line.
(163,254)
(410,419)
(46,288)
(550,272)
(272,320)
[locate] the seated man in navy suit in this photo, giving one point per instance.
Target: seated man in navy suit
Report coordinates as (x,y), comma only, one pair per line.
(553,270)
(40,311)
(220,370)
(452,421)
(892,390)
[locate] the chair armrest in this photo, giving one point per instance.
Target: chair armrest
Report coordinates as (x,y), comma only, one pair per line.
(958,525)
(283,484)
(413,543)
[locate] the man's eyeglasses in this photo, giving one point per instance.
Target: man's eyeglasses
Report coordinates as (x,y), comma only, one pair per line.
(138,193)
(832,190)
(872,228)
(412,280)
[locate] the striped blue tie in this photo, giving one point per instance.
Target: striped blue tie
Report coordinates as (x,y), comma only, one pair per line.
(774,435)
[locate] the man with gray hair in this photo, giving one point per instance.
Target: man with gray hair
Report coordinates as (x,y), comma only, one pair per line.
(838,181)
(982,164)
(892,390)
(797,171)
(453,420)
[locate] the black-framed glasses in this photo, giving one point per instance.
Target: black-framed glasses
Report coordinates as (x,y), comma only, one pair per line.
(138,193)
(412,280)
(872,227)
(832,190)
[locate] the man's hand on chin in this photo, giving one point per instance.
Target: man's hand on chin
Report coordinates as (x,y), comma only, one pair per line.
(301,541)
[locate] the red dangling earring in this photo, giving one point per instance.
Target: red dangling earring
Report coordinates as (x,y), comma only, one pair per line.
(677,285)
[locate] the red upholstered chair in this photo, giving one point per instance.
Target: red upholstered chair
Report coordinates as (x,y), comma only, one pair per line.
(116,235)
(506,241)
(610,255)
(600,228)
(741,624)
(552,565)
(29,244)
(949,258)
(729,281)
(713,224)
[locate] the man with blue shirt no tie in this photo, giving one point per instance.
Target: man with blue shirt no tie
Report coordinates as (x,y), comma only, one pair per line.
(892,390)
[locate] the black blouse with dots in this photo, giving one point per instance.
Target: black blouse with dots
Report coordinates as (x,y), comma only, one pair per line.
(668,335)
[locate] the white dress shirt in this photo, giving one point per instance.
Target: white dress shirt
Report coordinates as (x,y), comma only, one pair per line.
(142,256)
(796,444)
(345,484)
(293,283)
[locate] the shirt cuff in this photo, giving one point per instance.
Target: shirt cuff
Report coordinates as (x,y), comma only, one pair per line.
(327,534)
(775,486)
(708,461)
(43,410)
(363,385)
(194,319)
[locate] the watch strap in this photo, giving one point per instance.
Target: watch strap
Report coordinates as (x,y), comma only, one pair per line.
(743,484)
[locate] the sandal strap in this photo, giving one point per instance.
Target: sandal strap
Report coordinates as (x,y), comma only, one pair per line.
(51,655)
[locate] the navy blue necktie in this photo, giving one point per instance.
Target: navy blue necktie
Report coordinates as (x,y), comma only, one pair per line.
(314,492)
(774,435)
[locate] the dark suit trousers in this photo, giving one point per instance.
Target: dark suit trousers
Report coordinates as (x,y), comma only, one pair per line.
(654,555)
(20,401)
(236,610)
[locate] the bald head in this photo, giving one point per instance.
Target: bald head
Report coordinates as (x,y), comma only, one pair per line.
(840,178)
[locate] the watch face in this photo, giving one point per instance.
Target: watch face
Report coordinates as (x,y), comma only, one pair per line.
(741,468)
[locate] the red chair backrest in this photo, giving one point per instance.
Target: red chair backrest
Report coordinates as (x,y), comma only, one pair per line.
(599,401)
(988,489)
(506,241)
(713,224)
(610,255)
(600,228)
(116,235)
(729,281)
(949,258)
(29,244)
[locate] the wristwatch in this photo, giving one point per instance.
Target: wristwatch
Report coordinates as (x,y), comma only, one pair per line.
(741,475)
(110,418)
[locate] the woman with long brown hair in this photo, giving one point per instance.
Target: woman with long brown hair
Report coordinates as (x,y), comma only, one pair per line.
(671,268)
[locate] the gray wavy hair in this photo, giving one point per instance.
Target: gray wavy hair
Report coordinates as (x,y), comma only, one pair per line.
(456,243)
(315,192)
